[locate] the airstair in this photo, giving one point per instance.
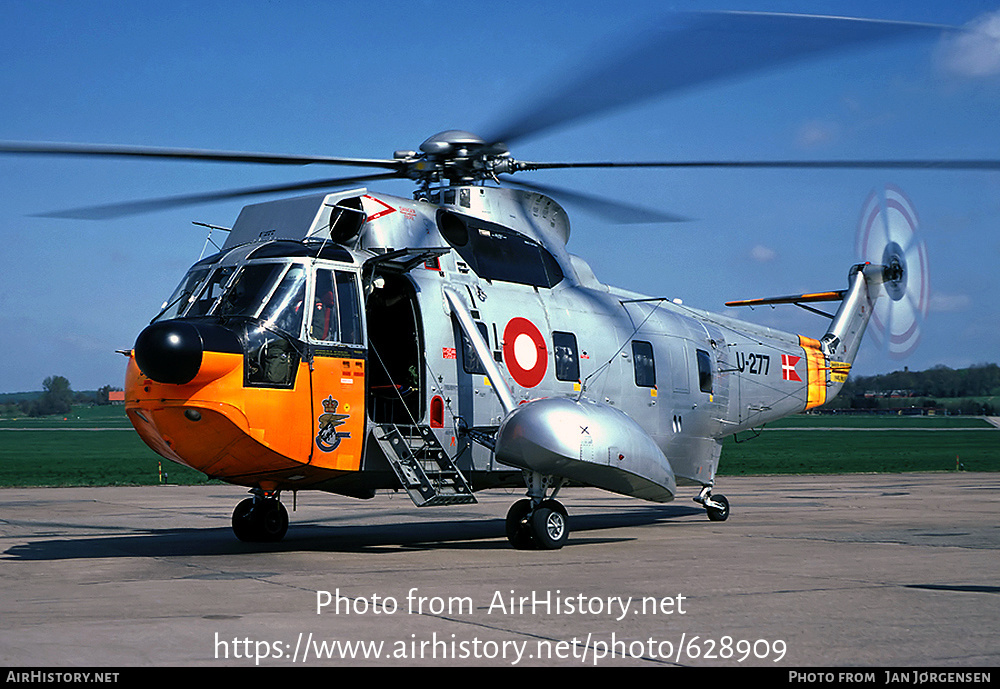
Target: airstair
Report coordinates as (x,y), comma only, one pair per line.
(423,466)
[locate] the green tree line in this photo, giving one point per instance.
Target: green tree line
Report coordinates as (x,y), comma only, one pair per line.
(57,397)
(980,380)
(971,389)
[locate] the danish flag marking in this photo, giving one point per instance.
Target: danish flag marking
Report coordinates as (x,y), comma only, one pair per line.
(788,363)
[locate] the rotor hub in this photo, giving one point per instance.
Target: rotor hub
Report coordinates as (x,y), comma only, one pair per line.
(456,156)
(894,271)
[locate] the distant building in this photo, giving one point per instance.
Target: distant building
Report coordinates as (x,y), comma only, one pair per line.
(893,394)
(116,396)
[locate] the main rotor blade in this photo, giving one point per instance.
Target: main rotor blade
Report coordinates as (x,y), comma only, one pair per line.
(925,164)
(690,49)
(106,150)
(614,211)
(118,210)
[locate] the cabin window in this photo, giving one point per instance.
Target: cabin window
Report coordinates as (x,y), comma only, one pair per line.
(704,371)
(566,356)
(336,312)
(496,252)
(645,367)
(470,360)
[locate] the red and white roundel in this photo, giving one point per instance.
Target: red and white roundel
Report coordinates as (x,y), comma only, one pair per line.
(524,352)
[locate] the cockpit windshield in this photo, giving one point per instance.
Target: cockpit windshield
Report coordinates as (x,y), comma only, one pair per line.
(249,290)
(184,294)
(278,294)
(272,292)
(210,293)
(284,308)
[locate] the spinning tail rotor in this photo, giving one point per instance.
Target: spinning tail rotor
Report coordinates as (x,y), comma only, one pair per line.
(887,236)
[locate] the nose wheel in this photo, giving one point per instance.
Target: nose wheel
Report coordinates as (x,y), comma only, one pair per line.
(260,519)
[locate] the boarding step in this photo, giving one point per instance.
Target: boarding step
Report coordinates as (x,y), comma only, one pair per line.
(426,471)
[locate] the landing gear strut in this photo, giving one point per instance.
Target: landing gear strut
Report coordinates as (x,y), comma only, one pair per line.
(260,519)
(716,505)
(537,522)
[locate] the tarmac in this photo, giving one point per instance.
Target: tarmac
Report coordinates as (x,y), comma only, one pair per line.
(893,570)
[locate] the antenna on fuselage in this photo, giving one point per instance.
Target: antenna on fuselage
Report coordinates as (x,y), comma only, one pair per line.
(211,228)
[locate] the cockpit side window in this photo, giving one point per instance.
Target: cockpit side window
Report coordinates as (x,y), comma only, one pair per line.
(336,312)
(272,359)
(325,324)
(350,307)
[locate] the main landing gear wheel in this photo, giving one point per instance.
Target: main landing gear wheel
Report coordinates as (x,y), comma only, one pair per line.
(548,526)
(537,528)
(260,520)
(519,526)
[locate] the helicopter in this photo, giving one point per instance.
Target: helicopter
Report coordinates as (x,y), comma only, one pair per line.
(353,341)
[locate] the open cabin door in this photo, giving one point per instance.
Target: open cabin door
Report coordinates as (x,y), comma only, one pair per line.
(395,340)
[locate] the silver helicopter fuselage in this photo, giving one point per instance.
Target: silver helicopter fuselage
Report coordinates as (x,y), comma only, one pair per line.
(480,326)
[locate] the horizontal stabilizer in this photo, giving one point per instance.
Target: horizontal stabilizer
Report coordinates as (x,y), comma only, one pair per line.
(794,299)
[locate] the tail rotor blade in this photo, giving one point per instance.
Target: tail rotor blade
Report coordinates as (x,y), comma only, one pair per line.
(887,236)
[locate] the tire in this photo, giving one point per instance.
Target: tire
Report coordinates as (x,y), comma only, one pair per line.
(243,521)
(554,505)
(272,521)
(549,528)
(518,532)
(264,521)
(718,515)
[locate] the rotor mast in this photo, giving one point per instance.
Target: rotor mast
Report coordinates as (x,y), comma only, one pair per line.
(455,157)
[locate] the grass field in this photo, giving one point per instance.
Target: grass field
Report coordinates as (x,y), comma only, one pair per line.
(894,421)
(93,446)
(843,444)
(864,451)
(97,446)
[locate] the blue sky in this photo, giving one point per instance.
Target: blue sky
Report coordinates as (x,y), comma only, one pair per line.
(365,79)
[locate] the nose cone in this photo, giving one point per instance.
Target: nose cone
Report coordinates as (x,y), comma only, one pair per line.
(169,352)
